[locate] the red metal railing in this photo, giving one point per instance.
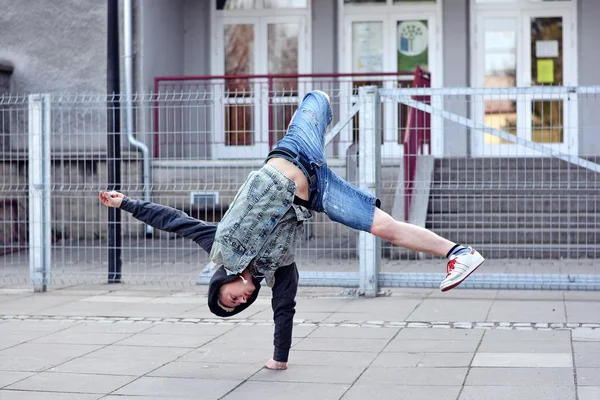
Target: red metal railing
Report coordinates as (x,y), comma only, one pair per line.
(416,136)
(278,86)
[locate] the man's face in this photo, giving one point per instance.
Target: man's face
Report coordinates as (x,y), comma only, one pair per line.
(237,292)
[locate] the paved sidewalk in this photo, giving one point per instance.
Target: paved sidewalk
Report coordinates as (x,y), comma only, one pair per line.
(145,342)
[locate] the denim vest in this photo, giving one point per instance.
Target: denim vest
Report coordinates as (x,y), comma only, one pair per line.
(262,226)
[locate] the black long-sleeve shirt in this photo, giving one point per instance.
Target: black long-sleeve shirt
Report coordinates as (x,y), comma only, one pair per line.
(203,233)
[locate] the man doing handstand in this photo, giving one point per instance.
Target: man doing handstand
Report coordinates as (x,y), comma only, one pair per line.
(257,237)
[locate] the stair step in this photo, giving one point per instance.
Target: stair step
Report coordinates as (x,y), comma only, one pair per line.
(510,204)
(522,236)
(538,251)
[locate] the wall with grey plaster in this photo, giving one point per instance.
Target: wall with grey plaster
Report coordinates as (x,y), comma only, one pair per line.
(55,46)
(589,59)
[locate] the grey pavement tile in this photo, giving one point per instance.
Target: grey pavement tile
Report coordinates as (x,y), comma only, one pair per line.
(72,383)
(220,354)
(440,334)
(527,295)
(588,376)
(429,346)
(518,346)
(470,294)
(397,360)
(545,392)
(30,395)
(582,295)
(426,360)
(322,304)
(189,329)
(121,297)
(527,311)
(37,357)
(341,344)
(451,310)
(520,377)
(10,377)
(586,354)
(153,310)
(588,392)
(308,316)
(525,360)
(165,340)
(83,309)
(331,358)
(397,392)
(227,371)
(10,338)
(287,390)
(361,317)
(527,336)
(37,326)
(413,376)
(353,332)
(68,337)
(123,360)
(388,304)
(431,360)
(586,335)
(197,301)
(311,374)
(36,304)
(123,328)
(583,311)
(173,388)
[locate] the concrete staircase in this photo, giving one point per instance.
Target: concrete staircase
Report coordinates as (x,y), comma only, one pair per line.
(517,207)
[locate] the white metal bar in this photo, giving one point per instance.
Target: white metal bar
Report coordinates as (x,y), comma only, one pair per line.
(369,151)
(581,162)
(395,94)
(39,191)
(341,123)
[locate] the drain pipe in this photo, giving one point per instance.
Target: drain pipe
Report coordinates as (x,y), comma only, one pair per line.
(128,47)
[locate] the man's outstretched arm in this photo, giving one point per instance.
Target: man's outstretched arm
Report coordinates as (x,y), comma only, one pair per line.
(165,218)
(284,308)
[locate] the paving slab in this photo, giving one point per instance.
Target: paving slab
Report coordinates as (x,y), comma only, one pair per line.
(546,392)
(413,376)
(588,376)
(589,393)
(227,371)
(520,377)
(527,360)
(527,311)
(312,374)
(287,390)
(429,346)
(72,383)
(176,388)
(451,310)
(361,392)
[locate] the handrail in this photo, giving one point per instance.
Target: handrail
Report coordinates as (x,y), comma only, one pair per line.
(417,133)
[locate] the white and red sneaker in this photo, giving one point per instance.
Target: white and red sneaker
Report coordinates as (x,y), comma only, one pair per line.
(460,267)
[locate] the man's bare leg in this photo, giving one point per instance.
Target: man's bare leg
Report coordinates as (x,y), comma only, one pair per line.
(409,236)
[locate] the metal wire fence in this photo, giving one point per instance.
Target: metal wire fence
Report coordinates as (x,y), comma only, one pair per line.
(530,212)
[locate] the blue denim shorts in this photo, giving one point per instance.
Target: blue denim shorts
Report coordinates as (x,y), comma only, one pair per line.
(304,145)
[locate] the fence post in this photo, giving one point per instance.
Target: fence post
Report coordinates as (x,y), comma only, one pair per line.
(369,162)
(39,191)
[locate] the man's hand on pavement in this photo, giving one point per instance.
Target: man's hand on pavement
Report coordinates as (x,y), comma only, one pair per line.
(272,364)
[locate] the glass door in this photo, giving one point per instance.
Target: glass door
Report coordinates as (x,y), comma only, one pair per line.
(528,49)
(384,43)
(264,38)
